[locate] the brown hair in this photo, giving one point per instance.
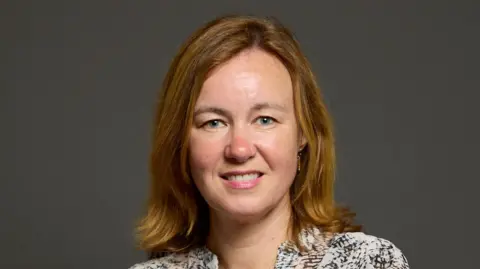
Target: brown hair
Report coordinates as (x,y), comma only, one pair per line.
(177,217)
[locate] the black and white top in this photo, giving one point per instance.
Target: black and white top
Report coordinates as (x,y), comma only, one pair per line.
(340,251)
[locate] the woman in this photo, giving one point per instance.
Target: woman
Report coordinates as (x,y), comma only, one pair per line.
(243,161)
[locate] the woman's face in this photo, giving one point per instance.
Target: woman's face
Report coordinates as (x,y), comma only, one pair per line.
(244,140)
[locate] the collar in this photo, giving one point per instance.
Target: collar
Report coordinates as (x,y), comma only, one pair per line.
(314,241)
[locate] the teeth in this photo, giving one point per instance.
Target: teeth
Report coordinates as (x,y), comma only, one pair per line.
(245,177)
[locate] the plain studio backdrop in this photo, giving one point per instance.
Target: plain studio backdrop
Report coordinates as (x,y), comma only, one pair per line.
(79,80)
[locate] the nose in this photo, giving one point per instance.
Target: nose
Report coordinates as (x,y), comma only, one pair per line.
(240,149)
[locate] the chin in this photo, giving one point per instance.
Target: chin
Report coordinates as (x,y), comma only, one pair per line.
(246,211)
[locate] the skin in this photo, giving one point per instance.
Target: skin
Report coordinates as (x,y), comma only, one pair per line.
(244,121)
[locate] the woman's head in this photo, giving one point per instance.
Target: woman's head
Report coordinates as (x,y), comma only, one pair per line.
(239,98)
(244,141)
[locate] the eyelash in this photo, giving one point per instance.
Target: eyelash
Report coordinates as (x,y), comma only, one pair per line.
(210,121)
(266,117)
(256,119)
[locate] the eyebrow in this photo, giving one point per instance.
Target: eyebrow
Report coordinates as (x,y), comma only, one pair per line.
(225,113)
(215,110)
(266,105)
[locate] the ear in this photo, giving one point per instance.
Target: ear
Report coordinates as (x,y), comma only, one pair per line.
(302,142)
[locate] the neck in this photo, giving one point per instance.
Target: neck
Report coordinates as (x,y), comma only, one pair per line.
(253,243)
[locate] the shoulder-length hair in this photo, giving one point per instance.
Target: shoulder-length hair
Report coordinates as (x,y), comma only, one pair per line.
(177,216)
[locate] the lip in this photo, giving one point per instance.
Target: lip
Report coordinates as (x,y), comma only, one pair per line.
(242,185)
(237,173)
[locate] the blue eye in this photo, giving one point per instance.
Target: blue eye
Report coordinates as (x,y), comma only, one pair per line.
(265,120)
(214,124)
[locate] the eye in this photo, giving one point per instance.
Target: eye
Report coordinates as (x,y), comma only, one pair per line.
(265,121)
(213,124)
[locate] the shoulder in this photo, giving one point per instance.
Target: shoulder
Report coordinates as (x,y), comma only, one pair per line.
(364,251)
(196,258)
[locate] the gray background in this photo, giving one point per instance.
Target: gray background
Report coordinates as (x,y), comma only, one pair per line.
(79,79)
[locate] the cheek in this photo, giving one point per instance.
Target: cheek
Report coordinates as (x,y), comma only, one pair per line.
(280,149)
(204,155)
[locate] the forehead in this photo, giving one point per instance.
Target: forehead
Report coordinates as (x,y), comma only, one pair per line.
(251,75)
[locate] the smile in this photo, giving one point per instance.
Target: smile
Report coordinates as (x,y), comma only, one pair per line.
(245,177)
(242,180)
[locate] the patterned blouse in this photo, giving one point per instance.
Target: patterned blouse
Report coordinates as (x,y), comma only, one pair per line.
(340,251)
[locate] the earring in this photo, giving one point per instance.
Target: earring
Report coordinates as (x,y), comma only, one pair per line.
(298,162)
